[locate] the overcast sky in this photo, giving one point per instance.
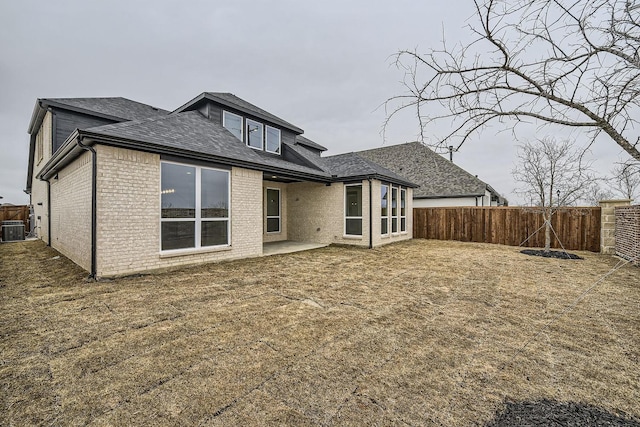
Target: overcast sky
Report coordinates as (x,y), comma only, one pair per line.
(323,66)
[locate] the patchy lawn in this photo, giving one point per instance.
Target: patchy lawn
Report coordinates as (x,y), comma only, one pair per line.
(415,333)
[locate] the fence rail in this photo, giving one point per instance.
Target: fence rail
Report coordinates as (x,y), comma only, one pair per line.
(15,213)
(577,228)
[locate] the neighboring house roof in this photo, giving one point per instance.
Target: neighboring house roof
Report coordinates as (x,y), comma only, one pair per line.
(232,101)
(437,176)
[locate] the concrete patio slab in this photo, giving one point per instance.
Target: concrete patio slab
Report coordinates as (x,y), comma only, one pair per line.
(288,246)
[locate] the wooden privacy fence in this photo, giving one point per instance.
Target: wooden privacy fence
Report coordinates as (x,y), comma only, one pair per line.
(577,228)
(15,213)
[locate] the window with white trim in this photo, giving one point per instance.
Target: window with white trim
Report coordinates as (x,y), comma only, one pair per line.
(384,210)
(403,210)
(394,209)
(274,218)
(273,140)
(195,203)
(255,134)
(233,123)
(353,210)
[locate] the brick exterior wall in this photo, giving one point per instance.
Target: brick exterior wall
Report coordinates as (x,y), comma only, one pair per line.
(316,214)
(608,224)
(39,188)
(282,235)
(129,215)
(71,211)
(627,232)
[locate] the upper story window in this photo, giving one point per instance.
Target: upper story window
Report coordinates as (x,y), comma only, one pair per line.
(233,123)
(253,133)
(273,140)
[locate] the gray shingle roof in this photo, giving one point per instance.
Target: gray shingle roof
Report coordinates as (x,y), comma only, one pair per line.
(437,176)
(353,164)
(193,133)
(118,107)
(233,102)
(309,143)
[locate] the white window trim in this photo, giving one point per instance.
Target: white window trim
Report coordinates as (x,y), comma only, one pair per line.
(344,201)
(279,211)
(198,218)
(403,191)
(246,125)
(266,145)
(385,218)
(397,215)
(224,122)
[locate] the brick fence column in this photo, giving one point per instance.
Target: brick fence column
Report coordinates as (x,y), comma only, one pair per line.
(608,224)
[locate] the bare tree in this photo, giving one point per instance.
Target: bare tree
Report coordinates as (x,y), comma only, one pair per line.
(597,193)
(626,180)
(570,63)
(552,174)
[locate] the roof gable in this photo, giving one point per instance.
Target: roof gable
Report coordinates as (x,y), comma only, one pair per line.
(231,101)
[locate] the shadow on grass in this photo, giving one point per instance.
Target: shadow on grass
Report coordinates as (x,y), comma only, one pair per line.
(553,413)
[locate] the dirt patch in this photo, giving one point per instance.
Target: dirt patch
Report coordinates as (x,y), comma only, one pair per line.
(415,333)
(566,414)
(550,254)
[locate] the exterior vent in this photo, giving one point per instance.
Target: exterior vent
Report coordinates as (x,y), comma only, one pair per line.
(12,231)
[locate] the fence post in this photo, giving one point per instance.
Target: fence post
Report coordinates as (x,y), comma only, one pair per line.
(608,224)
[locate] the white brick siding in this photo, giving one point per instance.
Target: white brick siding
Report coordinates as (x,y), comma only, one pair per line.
(316,214)
(129,215)
(71,211)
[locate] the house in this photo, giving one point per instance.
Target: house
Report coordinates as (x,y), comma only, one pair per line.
(121,187)
(442,183)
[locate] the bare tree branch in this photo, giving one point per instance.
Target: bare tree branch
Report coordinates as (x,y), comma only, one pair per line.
(571,64)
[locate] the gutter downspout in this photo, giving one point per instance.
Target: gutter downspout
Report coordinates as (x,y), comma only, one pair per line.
(94,205)
(370,214)
(48,213)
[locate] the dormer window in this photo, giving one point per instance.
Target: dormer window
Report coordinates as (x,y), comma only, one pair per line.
(233,123)
(254,134)
(273,140)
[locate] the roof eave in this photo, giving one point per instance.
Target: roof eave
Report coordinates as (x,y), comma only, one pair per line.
(36,116)
(61,157)
(448,196)
(189,103)
(383,178)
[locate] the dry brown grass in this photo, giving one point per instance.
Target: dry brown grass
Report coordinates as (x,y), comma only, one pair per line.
(416,333)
